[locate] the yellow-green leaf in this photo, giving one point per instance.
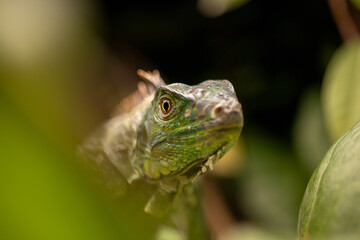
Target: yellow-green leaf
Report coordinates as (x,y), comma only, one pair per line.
(310,139)
(356,3)
(330,205)
(341,90)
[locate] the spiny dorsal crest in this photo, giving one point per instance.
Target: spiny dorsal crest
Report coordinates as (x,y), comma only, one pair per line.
(151,82)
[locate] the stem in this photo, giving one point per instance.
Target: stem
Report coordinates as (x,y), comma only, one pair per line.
(217,215)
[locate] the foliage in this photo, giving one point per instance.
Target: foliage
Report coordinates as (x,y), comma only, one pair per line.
(44,196)
(341,89)
(266,197)
(309,134)
(329,208)
(356,3)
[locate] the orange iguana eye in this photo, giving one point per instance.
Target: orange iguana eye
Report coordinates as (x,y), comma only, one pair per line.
(166,105)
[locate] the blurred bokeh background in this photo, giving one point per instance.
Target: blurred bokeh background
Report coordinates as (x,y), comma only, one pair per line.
(65,65)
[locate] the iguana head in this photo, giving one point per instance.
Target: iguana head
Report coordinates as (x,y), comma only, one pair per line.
(188,128)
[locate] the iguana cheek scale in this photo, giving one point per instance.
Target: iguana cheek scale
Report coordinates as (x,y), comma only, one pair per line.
(165,135)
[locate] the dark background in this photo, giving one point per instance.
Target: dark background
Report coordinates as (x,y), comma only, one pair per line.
(271,51)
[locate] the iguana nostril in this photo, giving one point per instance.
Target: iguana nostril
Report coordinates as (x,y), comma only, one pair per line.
(219,110)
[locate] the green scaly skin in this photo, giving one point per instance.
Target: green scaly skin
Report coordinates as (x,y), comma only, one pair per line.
(167,148)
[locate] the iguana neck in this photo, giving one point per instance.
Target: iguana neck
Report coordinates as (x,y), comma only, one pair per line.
(121,139)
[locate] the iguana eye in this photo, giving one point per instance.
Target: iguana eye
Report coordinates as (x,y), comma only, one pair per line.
(166,105)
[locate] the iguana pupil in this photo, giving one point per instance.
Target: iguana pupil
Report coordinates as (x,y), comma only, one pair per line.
(166,105)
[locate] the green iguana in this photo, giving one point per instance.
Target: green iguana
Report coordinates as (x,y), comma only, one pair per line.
(165,135)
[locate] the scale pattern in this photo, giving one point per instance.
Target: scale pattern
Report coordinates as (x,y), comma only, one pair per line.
(165,146)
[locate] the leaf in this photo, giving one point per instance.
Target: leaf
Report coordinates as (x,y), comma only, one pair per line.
(251,232)
(356,3)
(271,186)
(341,90)
(310,139)
(168,233)
(329,209)
(44,195)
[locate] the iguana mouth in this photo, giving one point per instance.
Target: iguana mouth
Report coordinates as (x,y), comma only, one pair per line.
(202,165)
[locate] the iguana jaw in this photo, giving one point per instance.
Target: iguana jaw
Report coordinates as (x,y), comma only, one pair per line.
(201,165)
(205,164)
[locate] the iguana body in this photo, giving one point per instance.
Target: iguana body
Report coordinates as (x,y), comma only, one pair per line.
(166,135)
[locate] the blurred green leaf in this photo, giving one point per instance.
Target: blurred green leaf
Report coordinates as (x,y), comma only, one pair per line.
(47,55)
(356,3)
(249,232)
(168,233)
(43,195)
(272,183)
(330,206)
(310,139)
(341,89)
